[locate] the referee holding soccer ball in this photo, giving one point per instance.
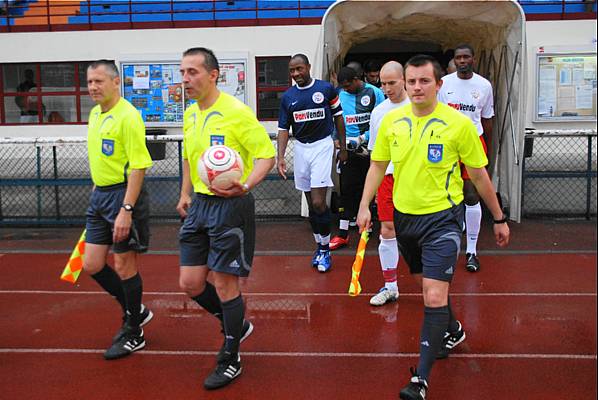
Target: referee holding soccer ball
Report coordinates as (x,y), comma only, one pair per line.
(218,234)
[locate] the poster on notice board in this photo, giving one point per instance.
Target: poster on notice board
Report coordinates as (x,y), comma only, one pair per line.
(156,89)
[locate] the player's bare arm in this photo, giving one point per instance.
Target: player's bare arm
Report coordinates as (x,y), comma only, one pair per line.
(123,221)
(486,190)
(487,126)
(186,190)
(372,181)
(281,144)
(342,138)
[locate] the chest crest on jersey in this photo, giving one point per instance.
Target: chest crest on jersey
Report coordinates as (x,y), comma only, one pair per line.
(317,97)
(107,147)
(366,100)
(435,152)
(216,140)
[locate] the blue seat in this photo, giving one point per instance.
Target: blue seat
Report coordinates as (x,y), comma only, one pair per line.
(278,13)
(79,19)
(193,16)
(236,5)
(108,9)
(186,5)
(235,15)
(316,3)
(151,17)
(541,8)
(261,4)
(140,8)
(104,19)
(575,8)
(312,13)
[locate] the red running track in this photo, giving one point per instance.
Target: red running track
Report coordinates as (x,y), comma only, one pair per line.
(530,321)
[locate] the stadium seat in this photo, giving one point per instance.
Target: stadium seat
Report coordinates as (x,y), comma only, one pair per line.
(264,14)
(193,6)
(156,17)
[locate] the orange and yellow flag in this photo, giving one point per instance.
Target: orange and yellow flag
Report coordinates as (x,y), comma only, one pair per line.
(75,264)
(355,287)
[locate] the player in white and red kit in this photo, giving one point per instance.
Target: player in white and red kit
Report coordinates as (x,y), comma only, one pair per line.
(393,85)
(471,94)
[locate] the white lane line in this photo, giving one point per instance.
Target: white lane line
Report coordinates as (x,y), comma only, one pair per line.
(309,253)
(290,294)
(305,354)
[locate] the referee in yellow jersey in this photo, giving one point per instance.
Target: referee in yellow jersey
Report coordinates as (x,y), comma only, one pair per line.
(118,212)
(425,142)
(218,233)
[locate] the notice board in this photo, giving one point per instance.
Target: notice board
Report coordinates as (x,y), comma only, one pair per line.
(566,87)
(156,88)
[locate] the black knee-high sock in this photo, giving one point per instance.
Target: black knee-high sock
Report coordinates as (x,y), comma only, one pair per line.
(433,329)
(315,227)
(323,221)
(209,301)
(453,324)
(233,312)
(108,279)
(133,288)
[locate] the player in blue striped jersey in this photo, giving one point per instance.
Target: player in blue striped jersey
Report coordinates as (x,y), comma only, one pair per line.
(312,109)
(358,99)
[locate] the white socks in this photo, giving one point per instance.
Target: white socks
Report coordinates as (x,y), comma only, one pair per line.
(317,238)
(389,260)
(344,224)
(473,219)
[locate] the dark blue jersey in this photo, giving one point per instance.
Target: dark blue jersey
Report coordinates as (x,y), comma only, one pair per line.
(310,111)
(358,107)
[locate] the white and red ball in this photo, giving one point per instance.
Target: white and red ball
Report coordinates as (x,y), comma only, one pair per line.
(220,166)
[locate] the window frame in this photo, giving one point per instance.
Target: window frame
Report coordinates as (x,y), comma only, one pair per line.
(78,93)
(268,89)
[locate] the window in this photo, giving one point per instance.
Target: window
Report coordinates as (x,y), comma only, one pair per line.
(44,93)
(273,79)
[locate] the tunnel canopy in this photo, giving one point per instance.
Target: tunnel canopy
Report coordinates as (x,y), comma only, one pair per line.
(495,29)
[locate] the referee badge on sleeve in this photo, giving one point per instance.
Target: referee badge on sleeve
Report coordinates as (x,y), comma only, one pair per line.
(434,153)
(108,147)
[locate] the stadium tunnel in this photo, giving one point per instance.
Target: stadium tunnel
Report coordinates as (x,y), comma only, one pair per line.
(389,29)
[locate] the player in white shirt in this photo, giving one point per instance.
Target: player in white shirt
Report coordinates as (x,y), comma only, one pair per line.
(471,94)
(393,86)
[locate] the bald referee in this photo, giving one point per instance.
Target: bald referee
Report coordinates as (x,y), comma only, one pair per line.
(118,212)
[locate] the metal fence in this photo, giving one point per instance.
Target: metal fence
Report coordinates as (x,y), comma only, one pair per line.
(559,174)
(47,182)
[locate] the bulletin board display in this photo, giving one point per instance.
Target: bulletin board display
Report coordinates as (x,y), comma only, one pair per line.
(566,87)
(156,89)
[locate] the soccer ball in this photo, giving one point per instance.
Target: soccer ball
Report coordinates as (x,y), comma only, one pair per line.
(220,166)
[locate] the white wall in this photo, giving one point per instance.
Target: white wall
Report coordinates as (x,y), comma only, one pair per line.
(156,44)
(566,35)
(130,45)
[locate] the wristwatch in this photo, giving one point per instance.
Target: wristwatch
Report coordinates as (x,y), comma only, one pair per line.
(500,221)
(127,207)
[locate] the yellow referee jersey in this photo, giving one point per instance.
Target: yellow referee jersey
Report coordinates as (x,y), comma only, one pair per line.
(227,122)
(116,143)
(425,152)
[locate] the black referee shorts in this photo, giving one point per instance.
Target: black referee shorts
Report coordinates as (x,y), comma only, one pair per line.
(104,206)
(220,233)
(430,243)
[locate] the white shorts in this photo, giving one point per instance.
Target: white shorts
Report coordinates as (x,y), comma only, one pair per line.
(313,164)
